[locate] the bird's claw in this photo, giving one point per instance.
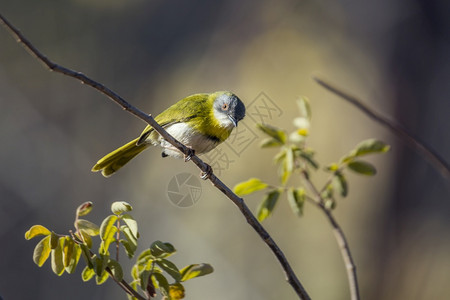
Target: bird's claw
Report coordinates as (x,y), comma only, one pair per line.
(205,174)
(188,156)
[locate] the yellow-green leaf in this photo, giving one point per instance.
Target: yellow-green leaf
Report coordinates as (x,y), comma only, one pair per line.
(75,258)
(170,268)
(362,167)
(250,186)
(132,224)
(270,142)
(107,225)
(68,249)
(195,270)
(341,184)
(296,199)
(88,227)
(101,279)
(268,204)
(84,209)
(107,232)
(304,107)
(160,281)
(161,250)
(54,238)
(366,147)
(87,273)
(273,132)
(57,258)
(116,269)
(42,251)
(35,231)
(120,207)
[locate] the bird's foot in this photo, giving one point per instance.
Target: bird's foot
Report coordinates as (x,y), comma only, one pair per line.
(188,156)
(205,174)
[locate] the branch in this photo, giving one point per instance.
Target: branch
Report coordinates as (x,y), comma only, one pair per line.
(433,157)
(239,202)
(340,238)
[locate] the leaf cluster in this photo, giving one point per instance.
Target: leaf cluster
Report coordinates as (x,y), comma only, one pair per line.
(295,157)
(120,231)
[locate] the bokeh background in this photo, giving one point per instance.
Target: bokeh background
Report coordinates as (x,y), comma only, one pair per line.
(393,54)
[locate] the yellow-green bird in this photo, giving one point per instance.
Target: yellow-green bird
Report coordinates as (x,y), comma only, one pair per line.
(200,121)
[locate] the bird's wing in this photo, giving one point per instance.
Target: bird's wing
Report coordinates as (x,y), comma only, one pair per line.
(182,111)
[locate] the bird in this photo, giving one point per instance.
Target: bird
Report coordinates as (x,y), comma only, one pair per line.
(200,121)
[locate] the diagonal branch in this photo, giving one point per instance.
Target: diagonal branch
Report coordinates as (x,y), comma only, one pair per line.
(433,157)
(239,202)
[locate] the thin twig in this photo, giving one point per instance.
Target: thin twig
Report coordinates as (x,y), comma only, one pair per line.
(239,202)
(430,154)
(122,283)
(340,237)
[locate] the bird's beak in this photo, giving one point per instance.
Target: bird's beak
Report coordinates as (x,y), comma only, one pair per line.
(233,120)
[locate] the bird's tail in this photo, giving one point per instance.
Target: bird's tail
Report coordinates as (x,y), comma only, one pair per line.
(115,160)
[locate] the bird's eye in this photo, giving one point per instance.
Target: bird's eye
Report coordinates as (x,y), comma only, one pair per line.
(225,106)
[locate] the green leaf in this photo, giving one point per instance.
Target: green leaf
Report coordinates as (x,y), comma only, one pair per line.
(86,238)
(304,107)
(88,227)
(132,224)
(87,256)
(84,209)
(35,231)
(296,199)
(176,291)
(308,157)
(42,251)
(273,132)
(107,225)
(362,167)
(161,250)
(100,264)
(195,270)
(57,258)
(330,204)
(101,279)
(116,269)
(107,231)
(288,165)
(170,268)
(54,239)
(120,207)
(371,146)
(367,147)
(161,281)
(328,192)
(144,278)
(144,256)
(250,186)
(87,273)
(340,182)
(74,259)
(130,244)
(280,156)
(270,142)
(268,204)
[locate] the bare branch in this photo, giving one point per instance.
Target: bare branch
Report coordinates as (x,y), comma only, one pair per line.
(340,238)
(431,155)
(239,202)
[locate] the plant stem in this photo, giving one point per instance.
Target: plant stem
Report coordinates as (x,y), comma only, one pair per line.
(429,153)
(340,238)
(239,202)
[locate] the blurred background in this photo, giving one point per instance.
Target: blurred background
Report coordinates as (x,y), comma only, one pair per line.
(392,54)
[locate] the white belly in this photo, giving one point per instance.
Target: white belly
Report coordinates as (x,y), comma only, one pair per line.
(183,133)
